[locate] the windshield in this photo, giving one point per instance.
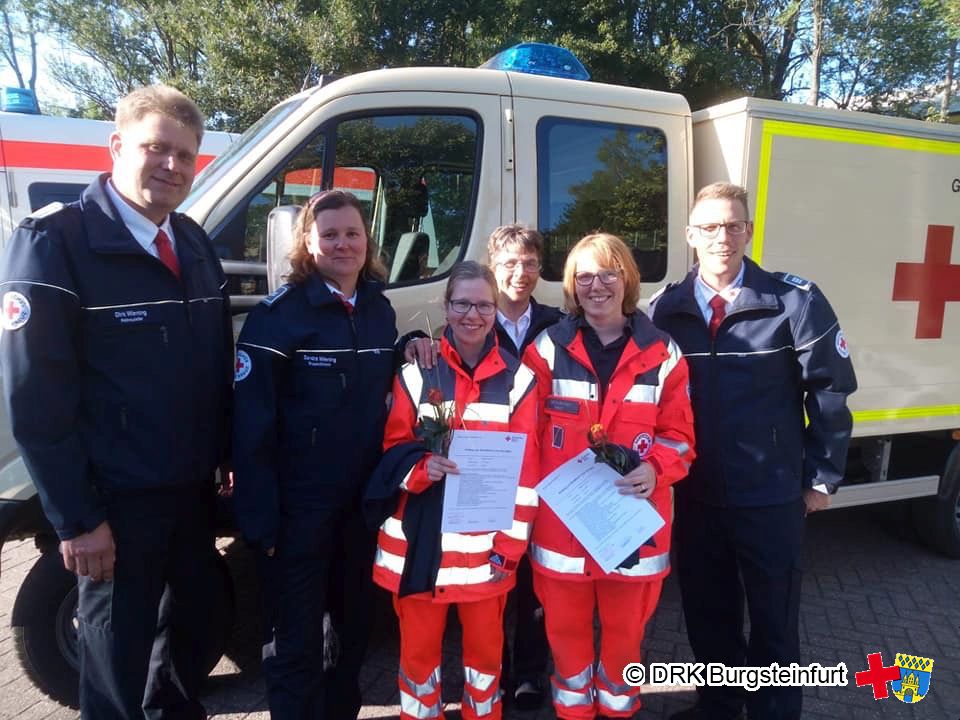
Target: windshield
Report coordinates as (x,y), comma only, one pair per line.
(256,132)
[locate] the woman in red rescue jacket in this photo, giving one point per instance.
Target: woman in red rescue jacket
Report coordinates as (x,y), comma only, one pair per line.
(487,389)
(605,363)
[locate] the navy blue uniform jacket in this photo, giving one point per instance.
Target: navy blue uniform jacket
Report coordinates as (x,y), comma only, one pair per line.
(310,394)
(779,352)
(118,377)
(541,317)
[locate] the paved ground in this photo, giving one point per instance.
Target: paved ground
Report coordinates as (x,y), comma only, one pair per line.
(868,587)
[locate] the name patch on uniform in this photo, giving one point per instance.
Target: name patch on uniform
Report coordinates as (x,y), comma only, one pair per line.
(126,317)
(16,310)
(571,407)
(243,367)
(642,444)
(319,361)
(840,341)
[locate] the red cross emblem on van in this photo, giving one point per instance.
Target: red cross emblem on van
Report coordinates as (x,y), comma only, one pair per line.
(932,283)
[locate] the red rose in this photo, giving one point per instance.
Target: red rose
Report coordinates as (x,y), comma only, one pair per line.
(435,396)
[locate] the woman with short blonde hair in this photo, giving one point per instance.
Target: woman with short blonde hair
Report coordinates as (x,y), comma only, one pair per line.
(607,378)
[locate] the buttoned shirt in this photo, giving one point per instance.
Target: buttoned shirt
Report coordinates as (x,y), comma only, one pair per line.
(516,330)
(704,294)
(144,231)
(336,291)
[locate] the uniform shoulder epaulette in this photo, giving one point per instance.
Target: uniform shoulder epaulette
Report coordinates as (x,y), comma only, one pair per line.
(661,291)
(794,280)
(273,297)
(44,212)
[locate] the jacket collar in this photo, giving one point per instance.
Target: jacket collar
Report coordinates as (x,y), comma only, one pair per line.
(491,362)
(642,331)
(541,317)
(757,291)
(319,294)
(755,294)
(106,232)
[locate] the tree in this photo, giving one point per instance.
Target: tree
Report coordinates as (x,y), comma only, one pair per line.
(21,23)
(884,55)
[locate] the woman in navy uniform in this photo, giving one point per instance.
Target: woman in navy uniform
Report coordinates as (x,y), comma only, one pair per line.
(315,362)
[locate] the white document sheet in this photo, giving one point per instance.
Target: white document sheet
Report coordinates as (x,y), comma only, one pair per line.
(482,498)
(609,525)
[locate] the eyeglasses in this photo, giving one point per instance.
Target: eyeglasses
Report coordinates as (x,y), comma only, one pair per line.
(529,266)
(462,307)
(711,230)
(607,277)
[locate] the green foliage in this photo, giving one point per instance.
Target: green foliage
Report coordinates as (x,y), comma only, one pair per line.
(239,57)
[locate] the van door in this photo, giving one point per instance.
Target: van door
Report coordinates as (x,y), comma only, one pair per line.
(427,166)
(585,167)
(6,220)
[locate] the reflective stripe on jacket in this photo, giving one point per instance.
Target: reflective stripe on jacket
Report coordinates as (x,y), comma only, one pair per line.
(646,407)
(501,396)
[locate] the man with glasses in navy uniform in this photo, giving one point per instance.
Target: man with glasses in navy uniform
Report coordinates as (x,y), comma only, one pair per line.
(764,349)
(516,258)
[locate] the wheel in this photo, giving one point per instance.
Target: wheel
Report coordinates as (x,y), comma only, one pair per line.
(45,629)
(938,518)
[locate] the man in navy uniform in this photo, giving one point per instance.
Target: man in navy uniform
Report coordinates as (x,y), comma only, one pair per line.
(117,363)
(763,348)
(516,258)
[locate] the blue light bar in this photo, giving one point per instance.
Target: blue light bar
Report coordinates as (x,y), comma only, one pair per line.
(539,59)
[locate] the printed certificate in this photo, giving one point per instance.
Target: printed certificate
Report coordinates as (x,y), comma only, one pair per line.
(483,496)
(609,525)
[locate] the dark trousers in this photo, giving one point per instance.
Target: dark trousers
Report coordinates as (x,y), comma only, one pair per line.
(144,635)
(723,557)
(525,654)
(323,562)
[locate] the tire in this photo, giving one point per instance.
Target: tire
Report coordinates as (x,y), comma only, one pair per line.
(45,627)
(937,519)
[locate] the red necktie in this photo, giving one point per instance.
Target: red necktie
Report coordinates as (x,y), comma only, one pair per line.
(166,254)
(719,306)
(347,305)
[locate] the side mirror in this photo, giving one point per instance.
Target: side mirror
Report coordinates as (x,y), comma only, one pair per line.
(279,243)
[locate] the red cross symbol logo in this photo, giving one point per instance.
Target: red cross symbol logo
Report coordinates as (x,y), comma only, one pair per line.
(933,283)
(878,676)
(12,309)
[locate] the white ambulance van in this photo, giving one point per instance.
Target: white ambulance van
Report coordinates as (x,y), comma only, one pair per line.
(865,206)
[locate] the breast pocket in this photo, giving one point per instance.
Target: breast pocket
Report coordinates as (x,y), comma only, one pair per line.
(566,423)
(320,388)
(112,346)
(635,425)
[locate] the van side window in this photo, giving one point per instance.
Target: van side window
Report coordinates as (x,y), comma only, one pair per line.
(414,173)
(418,173)
(43,193)
(602,176)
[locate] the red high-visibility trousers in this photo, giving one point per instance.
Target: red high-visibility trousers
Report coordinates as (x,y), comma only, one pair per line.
(579,693)
(421,636)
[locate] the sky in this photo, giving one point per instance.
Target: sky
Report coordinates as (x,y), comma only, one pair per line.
(48,92)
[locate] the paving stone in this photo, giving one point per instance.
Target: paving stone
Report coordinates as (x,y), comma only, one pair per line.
(865,590)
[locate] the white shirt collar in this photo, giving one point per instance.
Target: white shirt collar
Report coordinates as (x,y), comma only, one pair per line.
(517,330)
(704,293)
(336,291)
(141,227)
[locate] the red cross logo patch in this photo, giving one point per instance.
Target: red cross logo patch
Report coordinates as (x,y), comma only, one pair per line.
(16,310)
(841,343)
(642,444)
(243,366)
